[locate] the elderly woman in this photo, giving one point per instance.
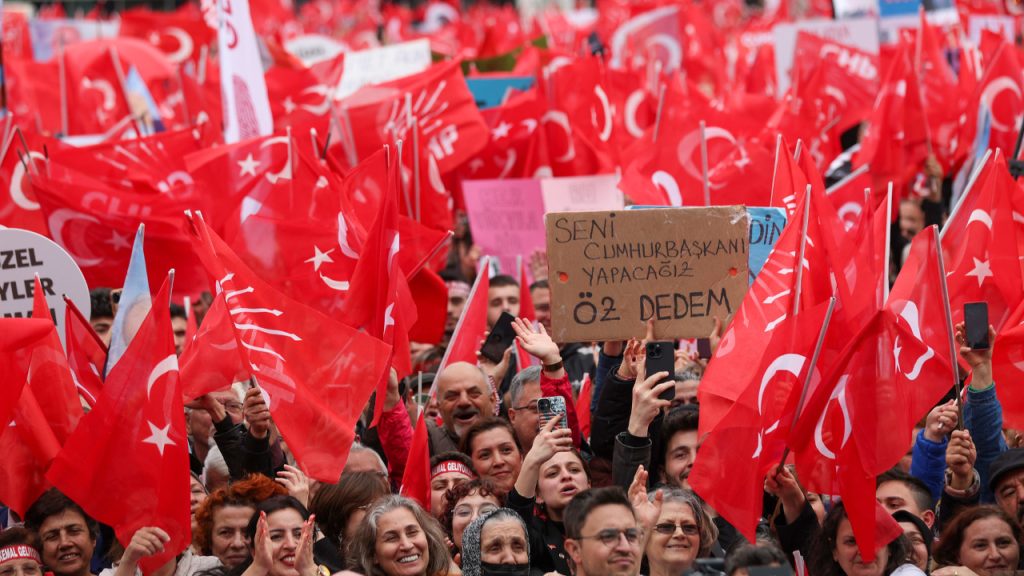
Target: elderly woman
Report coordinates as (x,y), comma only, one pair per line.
(683,533)
(496,544)
(398,538)
(982,540)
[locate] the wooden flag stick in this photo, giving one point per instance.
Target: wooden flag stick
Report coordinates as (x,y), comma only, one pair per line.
(799,265)
(704,163)
(950,335)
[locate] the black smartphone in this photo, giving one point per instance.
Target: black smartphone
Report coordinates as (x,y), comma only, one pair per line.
(976,325)
(703,348)
(661,358)
(499,339)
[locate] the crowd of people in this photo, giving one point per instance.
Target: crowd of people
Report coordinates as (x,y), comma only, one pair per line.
(601,488)
(514,494)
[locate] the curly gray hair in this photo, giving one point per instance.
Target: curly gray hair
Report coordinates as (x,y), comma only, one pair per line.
(362,551)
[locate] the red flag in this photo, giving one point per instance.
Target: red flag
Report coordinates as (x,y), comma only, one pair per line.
(436,100)
(18,205)
(583,406)
(379,300)
(838,80)
(18,339)
(135,439)
(211,360)
(431,296)
(525,300)
(87,354)
(416,479)
(1001,90)
(979,243)
(750,440)
(317,373)
(860,392)
(469,332)
(45,414)
(789,181)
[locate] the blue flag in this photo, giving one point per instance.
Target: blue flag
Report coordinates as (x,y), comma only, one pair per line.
(133,305)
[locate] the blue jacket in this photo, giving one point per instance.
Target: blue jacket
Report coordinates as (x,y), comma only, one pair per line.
(983,417)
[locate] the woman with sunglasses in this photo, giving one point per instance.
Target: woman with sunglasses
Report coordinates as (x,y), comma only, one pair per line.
(684,532)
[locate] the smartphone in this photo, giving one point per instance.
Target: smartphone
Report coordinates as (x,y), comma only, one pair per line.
(549,407)
(703,348)
(661,358)
(499,339)
(976,325)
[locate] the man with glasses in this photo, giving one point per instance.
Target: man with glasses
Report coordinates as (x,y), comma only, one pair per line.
(522,413)
(603,536)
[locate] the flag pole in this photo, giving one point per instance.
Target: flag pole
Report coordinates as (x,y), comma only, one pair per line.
(797,150)
(975,173)
(416,188)
(657,115)
(775,170)
(63,87)
(401,181)
(949,334)
(810,373)
(888,241)
(799,265)
(122,84)
(704,163)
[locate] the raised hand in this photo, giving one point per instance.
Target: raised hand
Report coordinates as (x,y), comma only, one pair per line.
(960,458)
(647,511)
(536,342)
(646,401)
(256,413)
(941,421)
(296,482)
(304,553)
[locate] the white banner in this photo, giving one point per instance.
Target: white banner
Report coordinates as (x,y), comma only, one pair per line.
(25,254)
(242,88)
(383,64)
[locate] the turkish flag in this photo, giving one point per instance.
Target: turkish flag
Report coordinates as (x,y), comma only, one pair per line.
(87,354)
(211,360)
(316,373)
(379,300)
(861,391)
(94,223)
(1001,90)
(749,442)
(18,339)
(850,198)
(180,36)
(135,438)
(771,299)
(436,100)
(922,363)
(45,414)
(980,247)
(416,479)
(19,207)
(513,128)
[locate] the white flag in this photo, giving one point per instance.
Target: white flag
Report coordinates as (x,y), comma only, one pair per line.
(242,88)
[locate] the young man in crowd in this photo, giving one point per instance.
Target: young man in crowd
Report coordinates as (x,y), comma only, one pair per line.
(603,535)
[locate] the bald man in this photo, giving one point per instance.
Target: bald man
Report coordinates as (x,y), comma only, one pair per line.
(464,398)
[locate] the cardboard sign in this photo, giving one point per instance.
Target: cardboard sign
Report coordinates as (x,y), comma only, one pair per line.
(378,65)
(491,91)
(24,254)
(582,194)
(612,271)
(506,217)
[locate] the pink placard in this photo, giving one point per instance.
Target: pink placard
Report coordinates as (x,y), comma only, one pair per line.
(506,218)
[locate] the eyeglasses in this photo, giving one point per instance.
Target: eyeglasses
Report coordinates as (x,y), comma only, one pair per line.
(668,529)
(612,536)
(532,407)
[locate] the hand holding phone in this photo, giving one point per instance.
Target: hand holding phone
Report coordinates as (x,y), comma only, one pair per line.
(976,325)
(499,339)
(549,407)
(661,358)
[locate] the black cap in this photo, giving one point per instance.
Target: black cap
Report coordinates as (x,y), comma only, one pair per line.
(1004,464)
(926,533)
